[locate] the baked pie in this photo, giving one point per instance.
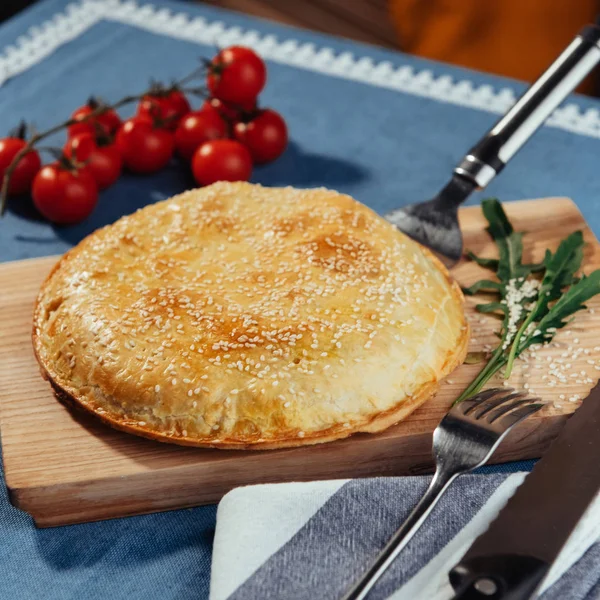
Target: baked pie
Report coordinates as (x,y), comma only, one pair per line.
(240,316)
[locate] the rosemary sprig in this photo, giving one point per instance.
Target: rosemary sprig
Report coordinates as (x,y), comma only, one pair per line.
(531,308)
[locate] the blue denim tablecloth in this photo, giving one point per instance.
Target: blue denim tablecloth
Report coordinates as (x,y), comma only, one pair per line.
(379,125)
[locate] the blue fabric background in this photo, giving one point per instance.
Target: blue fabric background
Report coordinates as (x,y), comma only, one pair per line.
(385,148)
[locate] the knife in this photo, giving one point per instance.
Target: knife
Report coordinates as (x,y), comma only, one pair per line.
(510,560)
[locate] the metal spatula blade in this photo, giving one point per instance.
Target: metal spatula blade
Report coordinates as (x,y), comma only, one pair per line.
(434,223)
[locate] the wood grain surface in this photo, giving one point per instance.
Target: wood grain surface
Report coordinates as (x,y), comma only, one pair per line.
(362,20)
(63,466)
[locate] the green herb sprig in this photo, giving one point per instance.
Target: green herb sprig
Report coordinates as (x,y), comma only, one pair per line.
(532,301)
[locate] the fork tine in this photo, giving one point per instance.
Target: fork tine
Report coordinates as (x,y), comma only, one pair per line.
(490,405)
(507,407)
(473,402)
(511,419)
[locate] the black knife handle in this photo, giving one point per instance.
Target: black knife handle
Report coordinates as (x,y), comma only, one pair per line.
(503,577)
(488,157)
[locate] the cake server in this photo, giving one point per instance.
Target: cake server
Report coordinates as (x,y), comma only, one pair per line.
(510,560)
(434,223)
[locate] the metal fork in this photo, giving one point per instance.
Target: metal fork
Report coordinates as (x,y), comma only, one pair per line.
(464,440)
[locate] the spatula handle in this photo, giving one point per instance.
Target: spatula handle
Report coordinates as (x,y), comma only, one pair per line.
(487,158)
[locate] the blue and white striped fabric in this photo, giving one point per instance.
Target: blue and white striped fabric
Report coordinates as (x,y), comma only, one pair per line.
(304,541)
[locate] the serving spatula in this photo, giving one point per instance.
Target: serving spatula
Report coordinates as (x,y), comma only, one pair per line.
(434,223)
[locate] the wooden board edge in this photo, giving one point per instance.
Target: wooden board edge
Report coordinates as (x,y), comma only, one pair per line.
(22,497)
(11,264)
(52,506)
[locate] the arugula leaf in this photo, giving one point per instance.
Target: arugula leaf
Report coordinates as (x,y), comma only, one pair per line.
(571,301)
(473,358)
(492,263)
(509,242)
(492,307)
(535,267)
(488,263)
(531,314)
(484,285)
(560,271)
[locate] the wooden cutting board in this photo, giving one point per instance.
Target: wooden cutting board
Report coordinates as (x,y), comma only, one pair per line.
(65,467)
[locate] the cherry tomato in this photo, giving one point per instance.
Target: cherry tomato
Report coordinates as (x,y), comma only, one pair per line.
(236,75)
(26,169)
(144,147)
(64,195)
(169,107)
(102,160)
(221,160)
(265,136)
(227,111)
(109,120)
(197,128)
(179,102)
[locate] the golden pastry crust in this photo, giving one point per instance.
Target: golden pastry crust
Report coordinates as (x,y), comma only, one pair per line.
(237,316)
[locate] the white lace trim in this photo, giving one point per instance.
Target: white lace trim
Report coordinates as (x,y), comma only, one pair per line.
(42,40)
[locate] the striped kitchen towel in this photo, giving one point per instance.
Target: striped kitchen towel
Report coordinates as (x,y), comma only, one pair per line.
(309,541)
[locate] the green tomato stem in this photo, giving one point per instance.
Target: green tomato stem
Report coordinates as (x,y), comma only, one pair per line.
(493,366)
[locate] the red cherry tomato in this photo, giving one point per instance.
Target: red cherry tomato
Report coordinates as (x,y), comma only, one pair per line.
(63,195)
(109,121)
(221,160)
(236,75)
(179,102)
(26,169)
(227,111)
(169,107)
(265,136)
(144,147)
(197,128)
(102,160)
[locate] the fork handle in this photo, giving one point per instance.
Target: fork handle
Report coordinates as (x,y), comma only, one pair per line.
(440,482)
(486,159)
